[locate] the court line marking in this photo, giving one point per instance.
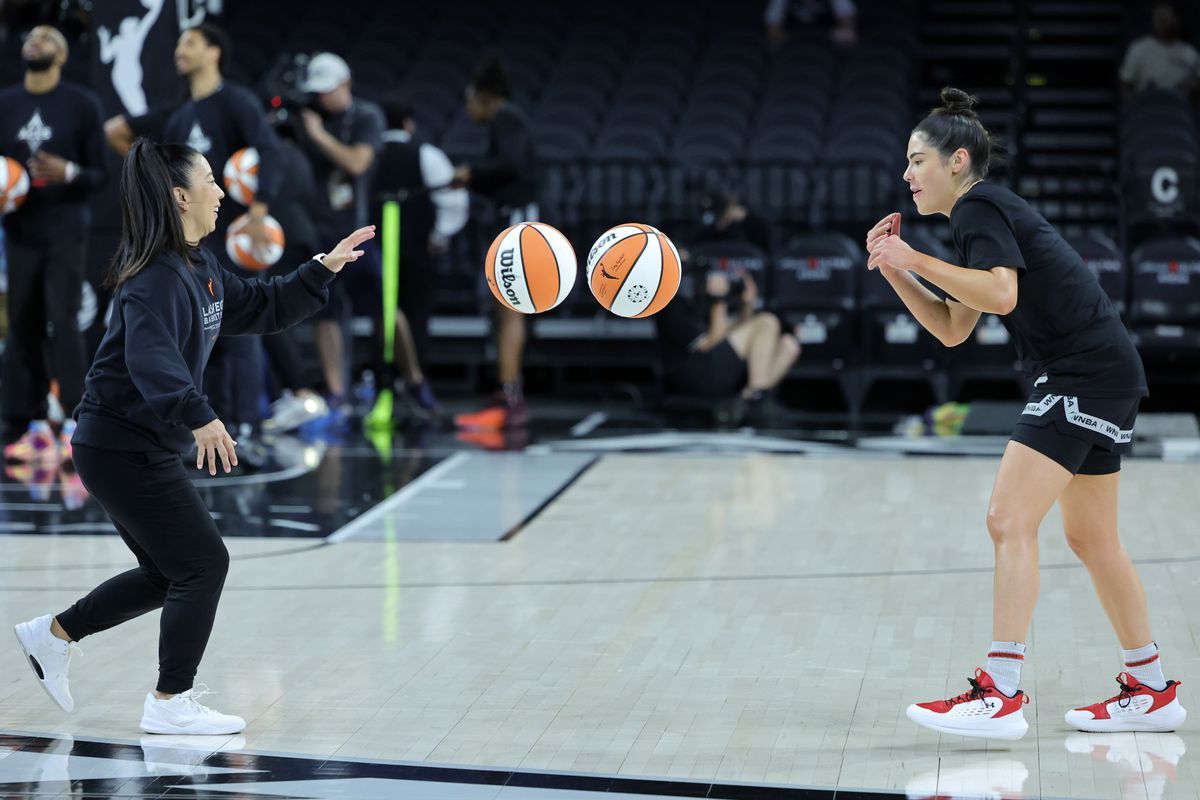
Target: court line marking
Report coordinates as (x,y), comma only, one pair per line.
(913,573)
(589,423)
(422,482)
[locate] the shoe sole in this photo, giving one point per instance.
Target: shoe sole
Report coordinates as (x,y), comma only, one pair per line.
(1008,732)
(37,670)
(184,732)
(1168,718)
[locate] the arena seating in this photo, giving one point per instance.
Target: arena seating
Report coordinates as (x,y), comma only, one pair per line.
(639,122)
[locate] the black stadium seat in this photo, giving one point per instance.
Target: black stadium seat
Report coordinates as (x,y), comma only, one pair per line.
(1165,298)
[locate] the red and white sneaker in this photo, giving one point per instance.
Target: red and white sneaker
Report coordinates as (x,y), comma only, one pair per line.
(1135,708)
(983,711)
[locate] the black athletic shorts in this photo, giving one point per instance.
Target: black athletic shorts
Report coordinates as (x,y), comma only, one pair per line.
(719,373)
(1087,436)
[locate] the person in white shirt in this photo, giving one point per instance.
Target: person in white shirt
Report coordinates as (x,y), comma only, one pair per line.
(1162,60)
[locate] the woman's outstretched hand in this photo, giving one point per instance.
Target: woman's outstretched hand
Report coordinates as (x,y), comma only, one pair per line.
(212,441)
(347,249)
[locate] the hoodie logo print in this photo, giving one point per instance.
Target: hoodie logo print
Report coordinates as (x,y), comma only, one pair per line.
(210,289)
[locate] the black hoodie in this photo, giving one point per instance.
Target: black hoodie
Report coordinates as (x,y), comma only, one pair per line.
(142,392)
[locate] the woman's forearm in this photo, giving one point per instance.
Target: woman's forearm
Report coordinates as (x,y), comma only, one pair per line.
(927,308)
(993,291)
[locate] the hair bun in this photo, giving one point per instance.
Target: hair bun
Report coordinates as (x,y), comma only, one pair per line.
(956,102)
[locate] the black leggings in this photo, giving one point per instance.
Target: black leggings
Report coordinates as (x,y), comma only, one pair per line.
(182,561)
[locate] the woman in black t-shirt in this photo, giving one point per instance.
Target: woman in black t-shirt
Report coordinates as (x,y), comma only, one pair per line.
(1066,446)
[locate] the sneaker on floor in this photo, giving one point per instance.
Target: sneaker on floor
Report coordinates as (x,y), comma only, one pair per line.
(423,397)
(1134,708)
(50,658)
(500,413)
(38,443)
(185,714)
(290,412)
(983,711)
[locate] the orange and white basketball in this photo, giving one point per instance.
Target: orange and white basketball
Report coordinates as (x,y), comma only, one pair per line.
(241,175)
(241,247)
(14,185)
(633,270)
(531,267)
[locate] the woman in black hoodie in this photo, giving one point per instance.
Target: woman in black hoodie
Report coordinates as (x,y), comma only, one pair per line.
(142,408)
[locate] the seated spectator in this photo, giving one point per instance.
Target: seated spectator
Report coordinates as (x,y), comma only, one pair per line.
(724,357)
(839,17)
(1162,60)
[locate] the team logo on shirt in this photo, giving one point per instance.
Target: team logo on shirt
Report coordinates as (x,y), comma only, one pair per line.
(35,133)
(210,289)
(198,140)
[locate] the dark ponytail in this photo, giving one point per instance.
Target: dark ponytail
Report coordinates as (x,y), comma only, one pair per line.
(150,221)
(953,125)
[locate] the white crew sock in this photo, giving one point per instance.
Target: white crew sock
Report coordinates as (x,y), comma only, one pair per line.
(1144,664)
(1004,665)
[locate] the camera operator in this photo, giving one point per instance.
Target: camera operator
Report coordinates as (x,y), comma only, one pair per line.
(723,218)
(342,137)
(721,355)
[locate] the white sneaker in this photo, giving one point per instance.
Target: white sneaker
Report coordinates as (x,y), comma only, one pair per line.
(50,658)
(184,714)
(290,412)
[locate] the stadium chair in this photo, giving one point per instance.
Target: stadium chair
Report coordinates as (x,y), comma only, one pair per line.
(1165,299)
(1104,259)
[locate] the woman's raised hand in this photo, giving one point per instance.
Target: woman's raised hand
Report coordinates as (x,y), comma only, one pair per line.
(347,249)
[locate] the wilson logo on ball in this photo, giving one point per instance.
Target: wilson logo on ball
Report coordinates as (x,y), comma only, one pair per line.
(530,267)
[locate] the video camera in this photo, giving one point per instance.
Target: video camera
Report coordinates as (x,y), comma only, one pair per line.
(281,86)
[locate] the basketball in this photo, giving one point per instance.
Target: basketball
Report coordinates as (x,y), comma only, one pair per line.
(241,175)
(633,270)
(531,267)
(242,250)
(14,185)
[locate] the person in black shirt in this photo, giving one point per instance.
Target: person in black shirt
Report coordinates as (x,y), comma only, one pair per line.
(508,174)
(342,141)
(142,408)
(1067,444)
(54,128)
(417,173)
(724,218)
(218,119)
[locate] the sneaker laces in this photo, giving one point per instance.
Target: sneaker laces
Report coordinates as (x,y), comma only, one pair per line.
(1125,696)
(192,699)
(976,692)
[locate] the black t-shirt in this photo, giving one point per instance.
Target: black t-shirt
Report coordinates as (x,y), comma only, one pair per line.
(753,229)
(218,126)
(1064,326)
(508,172)
(399,171)
(65,122)
(343,200)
